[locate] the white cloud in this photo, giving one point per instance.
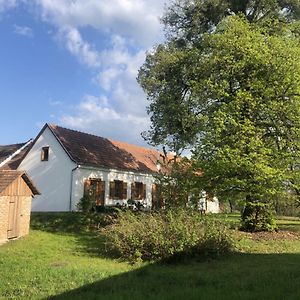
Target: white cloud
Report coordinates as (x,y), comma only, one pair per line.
(118,77)
(23,30)
(78,47)
(131,27)
(7,4)
(94,115)
(134,19)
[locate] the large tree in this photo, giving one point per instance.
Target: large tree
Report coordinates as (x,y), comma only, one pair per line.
(226,83)
(165,75)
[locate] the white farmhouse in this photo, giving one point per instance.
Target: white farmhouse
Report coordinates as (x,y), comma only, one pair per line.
(65,163)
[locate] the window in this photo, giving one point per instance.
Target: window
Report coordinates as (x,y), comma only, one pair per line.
(118,190)
(138,191)
(95,188)
(45,154)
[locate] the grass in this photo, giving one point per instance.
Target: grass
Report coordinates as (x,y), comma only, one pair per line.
(60,261)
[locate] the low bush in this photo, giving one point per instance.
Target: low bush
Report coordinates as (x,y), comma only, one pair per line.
(257,216)
(166,235)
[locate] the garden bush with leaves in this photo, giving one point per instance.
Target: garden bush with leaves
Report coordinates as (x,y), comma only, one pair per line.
(93,216)
(166,235)
(257,216)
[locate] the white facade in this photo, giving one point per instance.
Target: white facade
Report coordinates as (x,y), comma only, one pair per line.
(207,205)
(83,172)
(213,206)
(52,177)
(61,181)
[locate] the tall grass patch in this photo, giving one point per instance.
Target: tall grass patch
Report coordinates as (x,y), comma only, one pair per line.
(166,235)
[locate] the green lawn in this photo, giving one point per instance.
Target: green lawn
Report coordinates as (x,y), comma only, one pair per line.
(67,264)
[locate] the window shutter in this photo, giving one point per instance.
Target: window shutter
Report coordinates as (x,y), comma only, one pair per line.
(98,186)
(97,183)
(124,190)
(133,191)
(144,191)
(102,196)
(112,190)
(87,187)
(153,194)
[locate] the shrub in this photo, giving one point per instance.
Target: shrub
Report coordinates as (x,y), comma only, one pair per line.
(93,216)
(257,216)
(217,239)
(166,235)
(86,204)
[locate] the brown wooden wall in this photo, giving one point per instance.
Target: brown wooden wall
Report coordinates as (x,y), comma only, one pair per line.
(15,207)
(17,188)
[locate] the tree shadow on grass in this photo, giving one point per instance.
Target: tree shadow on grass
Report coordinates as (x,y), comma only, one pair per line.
(71,224)
(61,222)
(92,245)
(238,276)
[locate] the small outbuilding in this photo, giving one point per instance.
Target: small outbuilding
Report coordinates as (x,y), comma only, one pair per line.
(16,192)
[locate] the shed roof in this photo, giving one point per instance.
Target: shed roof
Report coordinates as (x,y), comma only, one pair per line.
(9,176)
(91,150)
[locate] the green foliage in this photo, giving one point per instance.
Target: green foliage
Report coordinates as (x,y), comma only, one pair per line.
(166,235)
(86,204)
(250,136)
(174,184)
(285,205)
(94,217)
(226,84)
(186,21)
(258,217)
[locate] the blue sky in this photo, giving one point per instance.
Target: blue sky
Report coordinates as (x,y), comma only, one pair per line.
(74,63)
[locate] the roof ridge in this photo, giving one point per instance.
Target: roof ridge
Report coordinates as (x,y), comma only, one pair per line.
(101,137)
(54,125)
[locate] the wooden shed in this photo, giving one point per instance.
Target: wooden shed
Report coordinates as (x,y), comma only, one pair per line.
(16,192)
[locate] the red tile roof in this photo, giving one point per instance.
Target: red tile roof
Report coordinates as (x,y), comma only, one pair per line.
(91,150)
(8,176)
(8,150)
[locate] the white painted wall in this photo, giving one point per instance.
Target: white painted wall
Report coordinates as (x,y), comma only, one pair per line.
(59,175)
(52,177)
(82,173)
(213,206)
(207,205)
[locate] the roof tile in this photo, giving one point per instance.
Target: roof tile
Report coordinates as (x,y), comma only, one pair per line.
(91,150)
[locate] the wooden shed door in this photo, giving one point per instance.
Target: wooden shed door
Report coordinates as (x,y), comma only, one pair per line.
(13,217)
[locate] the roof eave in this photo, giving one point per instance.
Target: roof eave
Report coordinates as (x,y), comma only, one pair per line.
(30,184)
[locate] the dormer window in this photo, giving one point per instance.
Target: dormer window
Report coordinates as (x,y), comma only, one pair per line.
(45,154)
